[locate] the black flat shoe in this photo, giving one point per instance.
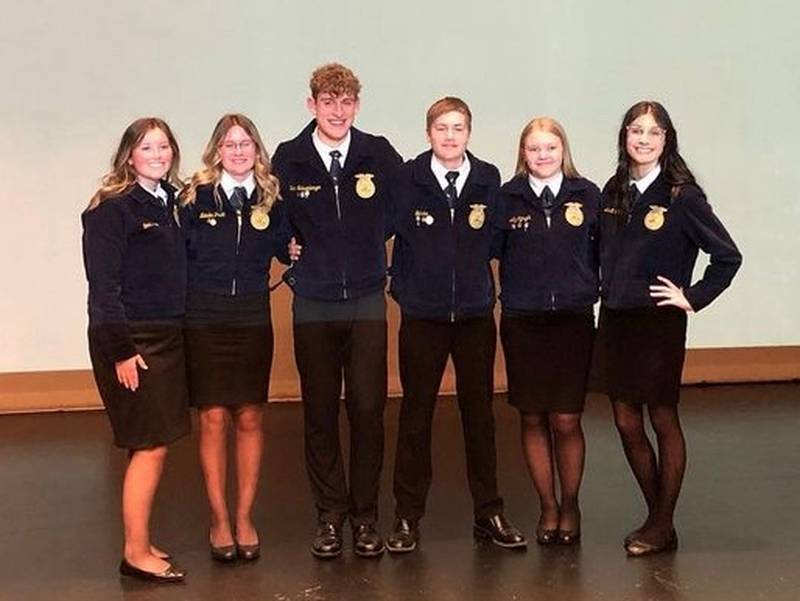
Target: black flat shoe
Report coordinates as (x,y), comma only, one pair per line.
(168,576)
(327,542)
(546,536)
(639,548)
(367,542)
(500,531)
(569,537)
(223,554)
(248,552)
(404,537)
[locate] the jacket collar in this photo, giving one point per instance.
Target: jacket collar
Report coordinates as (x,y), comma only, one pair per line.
(144,197)
(302,150)
(480,173)
(519,186)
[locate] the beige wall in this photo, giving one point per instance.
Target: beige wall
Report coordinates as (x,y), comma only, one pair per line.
(75,73)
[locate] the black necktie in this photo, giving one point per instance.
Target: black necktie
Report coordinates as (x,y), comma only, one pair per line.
(238,198)
(633,197)
(336,166)
(450,191)
(547,201)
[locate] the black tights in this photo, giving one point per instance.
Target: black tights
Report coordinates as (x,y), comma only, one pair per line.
(542,434)
(660,477)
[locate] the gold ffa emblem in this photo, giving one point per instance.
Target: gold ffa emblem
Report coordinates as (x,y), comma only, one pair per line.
(259,218)
(654,219)
(365,187)
(573,213)
(477,216)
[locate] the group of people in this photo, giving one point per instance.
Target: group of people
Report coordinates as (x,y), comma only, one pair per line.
(179,313)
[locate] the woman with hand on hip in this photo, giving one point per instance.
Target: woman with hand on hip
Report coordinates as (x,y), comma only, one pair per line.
(549,284)
(235,226)
(135,261)
(655,218)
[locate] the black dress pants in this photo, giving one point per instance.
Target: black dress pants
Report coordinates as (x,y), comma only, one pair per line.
(329,352)
(424,348)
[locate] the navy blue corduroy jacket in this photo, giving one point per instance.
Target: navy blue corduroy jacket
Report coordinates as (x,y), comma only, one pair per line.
(226,254)
(549,267)
(633,255)
(135,259)
(342,230)
(440,266)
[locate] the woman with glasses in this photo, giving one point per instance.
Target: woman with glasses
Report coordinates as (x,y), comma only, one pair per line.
(135,259)
(235,226)
(655,218)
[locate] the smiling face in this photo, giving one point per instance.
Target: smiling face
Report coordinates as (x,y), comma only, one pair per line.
(644,143)
(334,114)
(238,152)
(448,135)
(151,158)
(544,153)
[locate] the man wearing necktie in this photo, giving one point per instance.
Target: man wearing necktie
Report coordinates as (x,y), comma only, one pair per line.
(444,211)
(333,177)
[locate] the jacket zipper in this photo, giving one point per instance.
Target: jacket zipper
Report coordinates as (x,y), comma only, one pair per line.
(339,217)
(453,276)
(238,240)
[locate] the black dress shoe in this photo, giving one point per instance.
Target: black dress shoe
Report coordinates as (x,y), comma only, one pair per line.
(170,575)
(366,541)
(223,553)
(546,536)
(569,537)
(405,536)
(328,541)
(500,531)
(639,548)
(248,552)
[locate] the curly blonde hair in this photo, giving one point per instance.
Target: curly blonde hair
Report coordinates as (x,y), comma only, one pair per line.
(267,184)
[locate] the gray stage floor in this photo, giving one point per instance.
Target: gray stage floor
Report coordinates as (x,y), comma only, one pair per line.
(737,518)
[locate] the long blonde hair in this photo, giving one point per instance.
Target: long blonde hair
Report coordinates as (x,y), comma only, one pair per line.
(267,184)
(122,176)
(549,125)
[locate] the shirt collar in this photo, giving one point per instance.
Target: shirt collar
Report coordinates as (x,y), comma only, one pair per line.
(643,183)
(553,182)
(324,150)
(160,193)
(228,184)
(440,171)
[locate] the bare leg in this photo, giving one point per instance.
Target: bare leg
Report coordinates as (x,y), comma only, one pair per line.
(138,491)
(213,460)
(249,447)
(570,451)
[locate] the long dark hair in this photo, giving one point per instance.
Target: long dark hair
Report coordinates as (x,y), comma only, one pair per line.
(673,167)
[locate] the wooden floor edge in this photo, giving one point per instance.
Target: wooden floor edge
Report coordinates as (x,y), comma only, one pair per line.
(74,390)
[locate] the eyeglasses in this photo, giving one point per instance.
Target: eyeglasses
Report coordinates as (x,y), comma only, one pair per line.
(244,146)
(638,131)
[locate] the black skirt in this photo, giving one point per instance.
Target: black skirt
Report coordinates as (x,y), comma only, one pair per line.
(547,355)
(229,345)
(640,354)
(157,413)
